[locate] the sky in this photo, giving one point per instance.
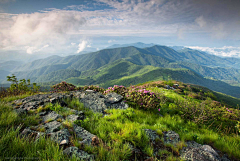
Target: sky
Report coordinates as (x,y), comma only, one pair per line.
(73,26)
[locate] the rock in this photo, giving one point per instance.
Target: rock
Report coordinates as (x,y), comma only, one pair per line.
(99,103)
(152,135)
(78,153)
(73,118)
(26,132)
(195,151)
(51,116)
(64,142)
(171,137)
(83,134)
(90,91)
(60,136)
(52,126)
(113,97)
(209,149)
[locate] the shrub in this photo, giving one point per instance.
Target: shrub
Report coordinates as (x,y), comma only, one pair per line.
(18,87)
(63,86)
(138,95)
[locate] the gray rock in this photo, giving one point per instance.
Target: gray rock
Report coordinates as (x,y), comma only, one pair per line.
(90,91)
(78,153)
(113,97)
(171,137)
(73,118)
(209,149)
(152,135)
(51,116)
(61,135)
(198,152)
(83,134)
(99,103)
(52,126)
(26,132)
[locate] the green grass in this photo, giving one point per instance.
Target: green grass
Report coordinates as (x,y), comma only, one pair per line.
(116,131)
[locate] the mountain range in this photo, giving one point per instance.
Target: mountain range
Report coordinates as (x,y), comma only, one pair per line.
(132,65)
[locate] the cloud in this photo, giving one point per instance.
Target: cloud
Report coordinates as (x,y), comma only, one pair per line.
(179,19)
(33,49)
(82,46)
(200,21)
(73,44)
(111,41)
(37,29)
(226,51)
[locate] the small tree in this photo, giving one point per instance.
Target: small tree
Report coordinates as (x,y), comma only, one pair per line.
(22,86)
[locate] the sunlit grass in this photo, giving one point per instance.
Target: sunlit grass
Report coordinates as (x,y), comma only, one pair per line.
(116,131)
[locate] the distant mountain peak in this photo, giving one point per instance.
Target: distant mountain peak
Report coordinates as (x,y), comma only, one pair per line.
(137,44)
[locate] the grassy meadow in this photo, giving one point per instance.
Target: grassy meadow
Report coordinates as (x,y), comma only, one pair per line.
(194,113)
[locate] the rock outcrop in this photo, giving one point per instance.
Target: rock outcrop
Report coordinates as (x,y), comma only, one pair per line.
(52,126)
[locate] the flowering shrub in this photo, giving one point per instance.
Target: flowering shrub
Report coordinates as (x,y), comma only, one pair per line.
(138,95)
(117,89)
(63,86)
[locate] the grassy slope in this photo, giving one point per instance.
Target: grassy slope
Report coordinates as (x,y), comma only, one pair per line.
(126,73)
(116,131)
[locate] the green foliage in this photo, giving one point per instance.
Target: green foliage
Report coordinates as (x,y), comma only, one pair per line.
(238,126)
(19,87)
(55,107)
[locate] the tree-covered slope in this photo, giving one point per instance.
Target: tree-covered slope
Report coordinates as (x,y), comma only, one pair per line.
(38,63)
(59,75)
(126,73)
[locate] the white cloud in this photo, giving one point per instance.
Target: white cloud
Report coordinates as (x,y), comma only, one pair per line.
(226,51)
(82,46)
(200,21)
(58,27)
(33,49)
(111,41)
(37,29)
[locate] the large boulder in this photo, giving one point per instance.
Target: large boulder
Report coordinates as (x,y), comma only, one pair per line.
(198,152)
